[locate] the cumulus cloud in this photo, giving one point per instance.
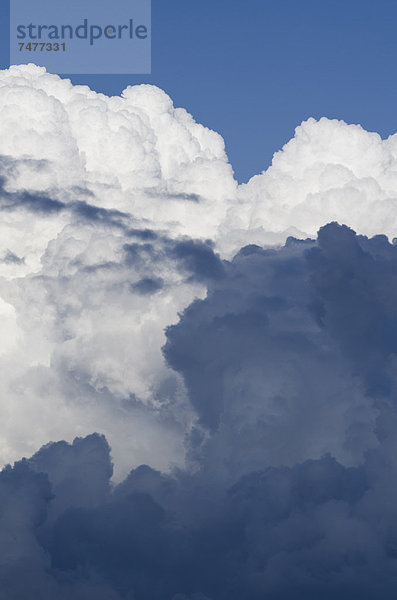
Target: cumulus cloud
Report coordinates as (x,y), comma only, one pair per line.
(290,486)
(240,365)
(329,171)
(136,153)
(107,206)
(292,352)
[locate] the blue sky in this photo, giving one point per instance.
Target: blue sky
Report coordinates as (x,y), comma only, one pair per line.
(255,69)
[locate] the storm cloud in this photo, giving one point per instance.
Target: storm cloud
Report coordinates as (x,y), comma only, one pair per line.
(289,490)
(198,378)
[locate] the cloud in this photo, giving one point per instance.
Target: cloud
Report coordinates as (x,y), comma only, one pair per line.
(117,214)
(281,358)
(86,332)
(329,171)
(237,366)
(136,153)
(281,532)
(101,201)
(290,486)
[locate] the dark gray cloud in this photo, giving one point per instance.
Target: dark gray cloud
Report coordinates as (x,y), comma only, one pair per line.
(198,258)
(148,285)
(306,531)
(291,490)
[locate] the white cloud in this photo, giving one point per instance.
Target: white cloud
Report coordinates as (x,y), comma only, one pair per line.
(94,189)
(328,171)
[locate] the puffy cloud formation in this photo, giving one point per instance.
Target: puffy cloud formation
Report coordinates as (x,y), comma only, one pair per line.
(135,153)
(244,379)
(289,363)
(329,171)
(100,198)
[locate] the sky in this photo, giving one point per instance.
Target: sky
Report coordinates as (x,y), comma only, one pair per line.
(255,70)
(197,375)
